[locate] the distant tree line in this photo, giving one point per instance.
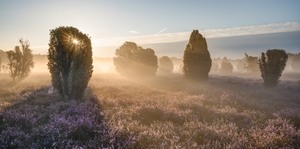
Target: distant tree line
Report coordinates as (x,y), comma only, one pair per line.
(197,62)
(70,61)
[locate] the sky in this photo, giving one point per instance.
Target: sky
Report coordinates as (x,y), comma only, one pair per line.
(110,23)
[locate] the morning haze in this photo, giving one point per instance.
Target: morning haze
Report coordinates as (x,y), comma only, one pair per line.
(149,74)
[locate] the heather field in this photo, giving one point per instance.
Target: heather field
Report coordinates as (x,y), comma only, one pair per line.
(161,112)
(159,74)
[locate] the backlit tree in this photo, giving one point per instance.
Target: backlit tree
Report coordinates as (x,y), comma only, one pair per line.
(134,61)
(20,61)
(271,66)
(196,59)
(70,61)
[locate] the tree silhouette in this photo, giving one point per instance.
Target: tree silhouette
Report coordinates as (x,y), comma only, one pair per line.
(196,59)
(271,66)
(70,61)
(134,61)
(226,66)
(20,61)
(165,65)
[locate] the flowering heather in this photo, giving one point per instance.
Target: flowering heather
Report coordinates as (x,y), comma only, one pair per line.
(54,124)
(224,112)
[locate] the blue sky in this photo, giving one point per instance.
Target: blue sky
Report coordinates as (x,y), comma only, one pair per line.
(120,19)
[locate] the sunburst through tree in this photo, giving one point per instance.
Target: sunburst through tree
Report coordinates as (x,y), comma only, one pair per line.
(70,61)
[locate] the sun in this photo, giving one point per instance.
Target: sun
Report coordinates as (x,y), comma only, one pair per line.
(75,41)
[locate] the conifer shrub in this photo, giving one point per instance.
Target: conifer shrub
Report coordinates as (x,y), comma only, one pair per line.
(196,58)
(70,61)
(271,66)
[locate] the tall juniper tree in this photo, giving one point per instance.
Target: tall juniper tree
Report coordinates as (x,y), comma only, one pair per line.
(271,66)
(70,61)
(196,59)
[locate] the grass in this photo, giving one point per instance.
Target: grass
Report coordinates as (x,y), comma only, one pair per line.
(162,112)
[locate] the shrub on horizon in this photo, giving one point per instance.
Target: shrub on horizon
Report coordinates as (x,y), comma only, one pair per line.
(70,61)
(240,66)
(251,64)
(134,61)
(226,66)
(196,58)
(165,65)
(271,66)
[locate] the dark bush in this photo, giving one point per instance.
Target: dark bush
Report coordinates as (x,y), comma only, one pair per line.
(70,61)
(226,66)
(134,61)
(271,66)
(196,59)
(165,65)
(251,64)
(20,61)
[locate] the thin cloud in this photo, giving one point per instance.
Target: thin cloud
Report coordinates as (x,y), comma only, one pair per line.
(133,32)
(252,30)
(161,31)
(209,33)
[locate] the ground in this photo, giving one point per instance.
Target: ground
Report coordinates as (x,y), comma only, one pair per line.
(160,112)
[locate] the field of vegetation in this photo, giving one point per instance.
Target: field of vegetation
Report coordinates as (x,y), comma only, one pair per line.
(161,112)
(131,77)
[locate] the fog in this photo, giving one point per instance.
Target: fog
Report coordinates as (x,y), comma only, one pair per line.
(235,109)
(106,66)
